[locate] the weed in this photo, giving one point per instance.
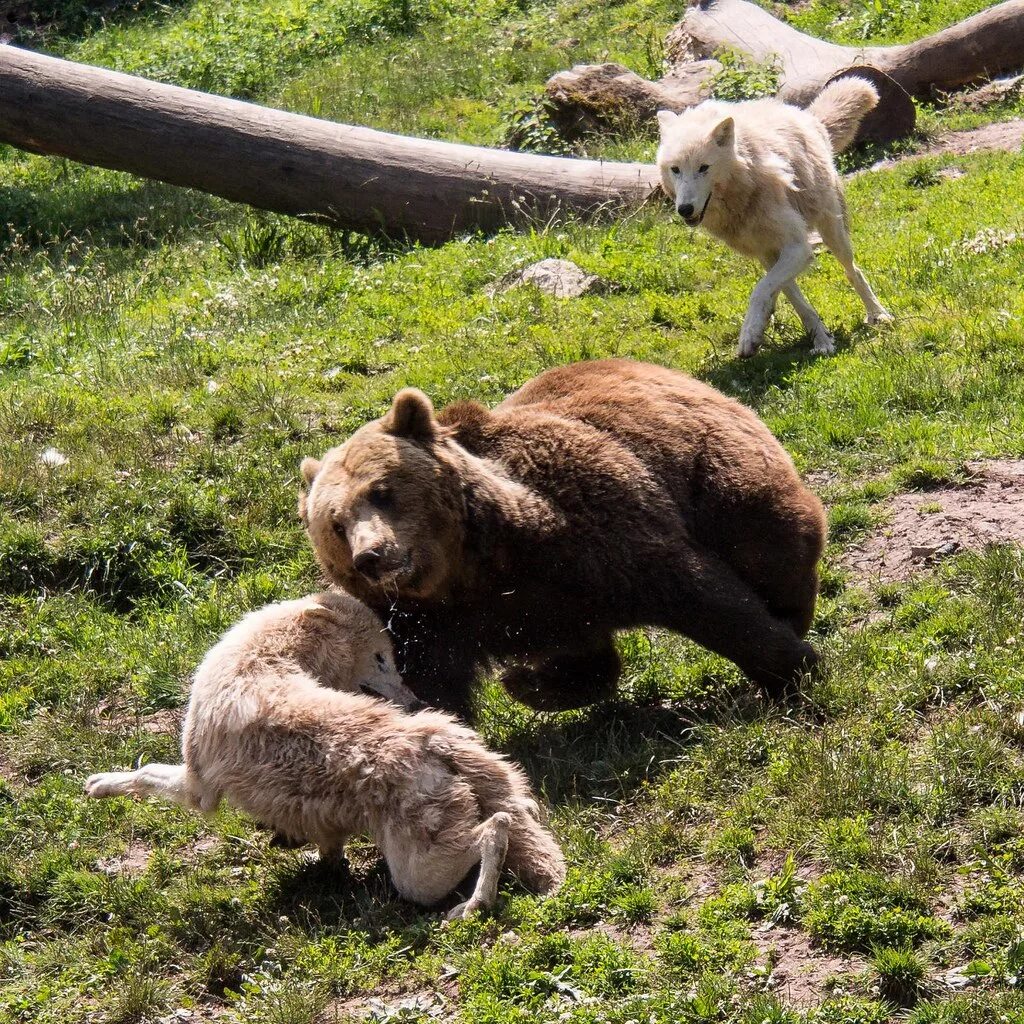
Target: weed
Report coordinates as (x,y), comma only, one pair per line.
(901,972)
(740,78)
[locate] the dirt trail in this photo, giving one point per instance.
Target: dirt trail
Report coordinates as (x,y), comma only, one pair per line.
(922,527)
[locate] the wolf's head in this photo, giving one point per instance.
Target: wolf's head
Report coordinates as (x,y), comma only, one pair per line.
(698,148)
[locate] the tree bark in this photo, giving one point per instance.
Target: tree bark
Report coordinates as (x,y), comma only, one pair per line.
(346,176)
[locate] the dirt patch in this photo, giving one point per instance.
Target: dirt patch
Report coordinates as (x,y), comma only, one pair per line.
(425,1004)
(1004,136)
(132,862)
(802,974)
(923,527)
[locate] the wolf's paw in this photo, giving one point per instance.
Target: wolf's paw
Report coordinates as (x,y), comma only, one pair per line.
(106,784)
(883,316)
(824,343)
(465,910)
(749,344)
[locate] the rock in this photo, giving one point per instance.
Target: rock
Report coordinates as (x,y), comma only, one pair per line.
(942,550)
(599,97)
(561,278)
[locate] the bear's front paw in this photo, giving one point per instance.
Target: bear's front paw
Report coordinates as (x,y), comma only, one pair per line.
(535,689)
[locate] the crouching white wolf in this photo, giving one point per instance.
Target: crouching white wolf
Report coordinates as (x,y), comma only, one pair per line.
(275,725)
(760,176)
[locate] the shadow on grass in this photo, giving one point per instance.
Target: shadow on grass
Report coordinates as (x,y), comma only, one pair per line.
(773,368)
(139,213)
(610,751)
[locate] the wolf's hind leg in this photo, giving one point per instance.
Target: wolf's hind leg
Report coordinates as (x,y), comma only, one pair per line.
(173,782)
(835,235)
(425,872)
(492,840)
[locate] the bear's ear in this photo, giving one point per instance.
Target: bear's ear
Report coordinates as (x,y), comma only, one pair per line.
(411,415)
(309,469)
(666,118)
(724,132)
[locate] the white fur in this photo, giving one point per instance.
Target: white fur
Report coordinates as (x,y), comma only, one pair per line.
(276,726)
(760,176)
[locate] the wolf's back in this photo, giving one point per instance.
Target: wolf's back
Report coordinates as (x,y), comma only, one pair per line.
(841,106)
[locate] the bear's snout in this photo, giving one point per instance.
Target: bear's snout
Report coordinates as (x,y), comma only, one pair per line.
(378,561)
(369,563)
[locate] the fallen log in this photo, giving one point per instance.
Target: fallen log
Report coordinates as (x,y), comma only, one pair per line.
(971,50)
(984,45)
(342,175)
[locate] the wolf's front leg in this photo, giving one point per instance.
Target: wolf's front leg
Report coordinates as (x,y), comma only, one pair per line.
(792,261)
(171,781)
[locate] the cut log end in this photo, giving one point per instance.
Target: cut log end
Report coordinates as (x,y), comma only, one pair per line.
(893,118)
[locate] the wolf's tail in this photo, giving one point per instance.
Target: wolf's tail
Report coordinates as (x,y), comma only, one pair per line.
(499,785)
(841,106)
(533,855)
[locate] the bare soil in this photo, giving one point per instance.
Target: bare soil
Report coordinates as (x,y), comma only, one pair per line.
(922,527)
(803,974)
(1007,136)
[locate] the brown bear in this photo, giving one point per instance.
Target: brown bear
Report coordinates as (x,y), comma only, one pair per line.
(600,496)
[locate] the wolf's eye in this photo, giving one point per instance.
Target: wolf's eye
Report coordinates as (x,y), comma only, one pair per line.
(381,497)
(703,169)
(674,170)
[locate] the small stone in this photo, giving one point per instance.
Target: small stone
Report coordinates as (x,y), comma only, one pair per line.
(561,278)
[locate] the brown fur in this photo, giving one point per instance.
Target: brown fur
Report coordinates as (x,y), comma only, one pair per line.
(276,726)
(600,496)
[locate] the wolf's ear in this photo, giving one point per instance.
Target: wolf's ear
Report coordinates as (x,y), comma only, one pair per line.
(309,469)
(724,132)
(411,415)
(666,118)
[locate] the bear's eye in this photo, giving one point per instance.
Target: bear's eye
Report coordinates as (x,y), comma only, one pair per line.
(674,170)
(339,529)
(703,169)
(380,496)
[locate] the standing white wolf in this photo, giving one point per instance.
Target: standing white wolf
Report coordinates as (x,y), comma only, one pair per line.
(760,176)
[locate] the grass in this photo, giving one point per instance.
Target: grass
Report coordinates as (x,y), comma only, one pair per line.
(182,355)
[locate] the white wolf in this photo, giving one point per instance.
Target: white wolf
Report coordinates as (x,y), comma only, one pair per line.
(760,176)
(276,726)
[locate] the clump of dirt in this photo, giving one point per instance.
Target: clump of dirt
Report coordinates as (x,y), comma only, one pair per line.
(802,974)
(923,527)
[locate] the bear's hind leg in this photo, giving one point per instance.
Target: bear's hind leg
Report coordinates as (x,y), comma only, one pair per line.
(566,680)
(706,601)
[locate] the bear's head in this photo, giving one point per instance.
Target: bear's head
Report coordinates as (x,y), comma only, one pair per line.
(384,511)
